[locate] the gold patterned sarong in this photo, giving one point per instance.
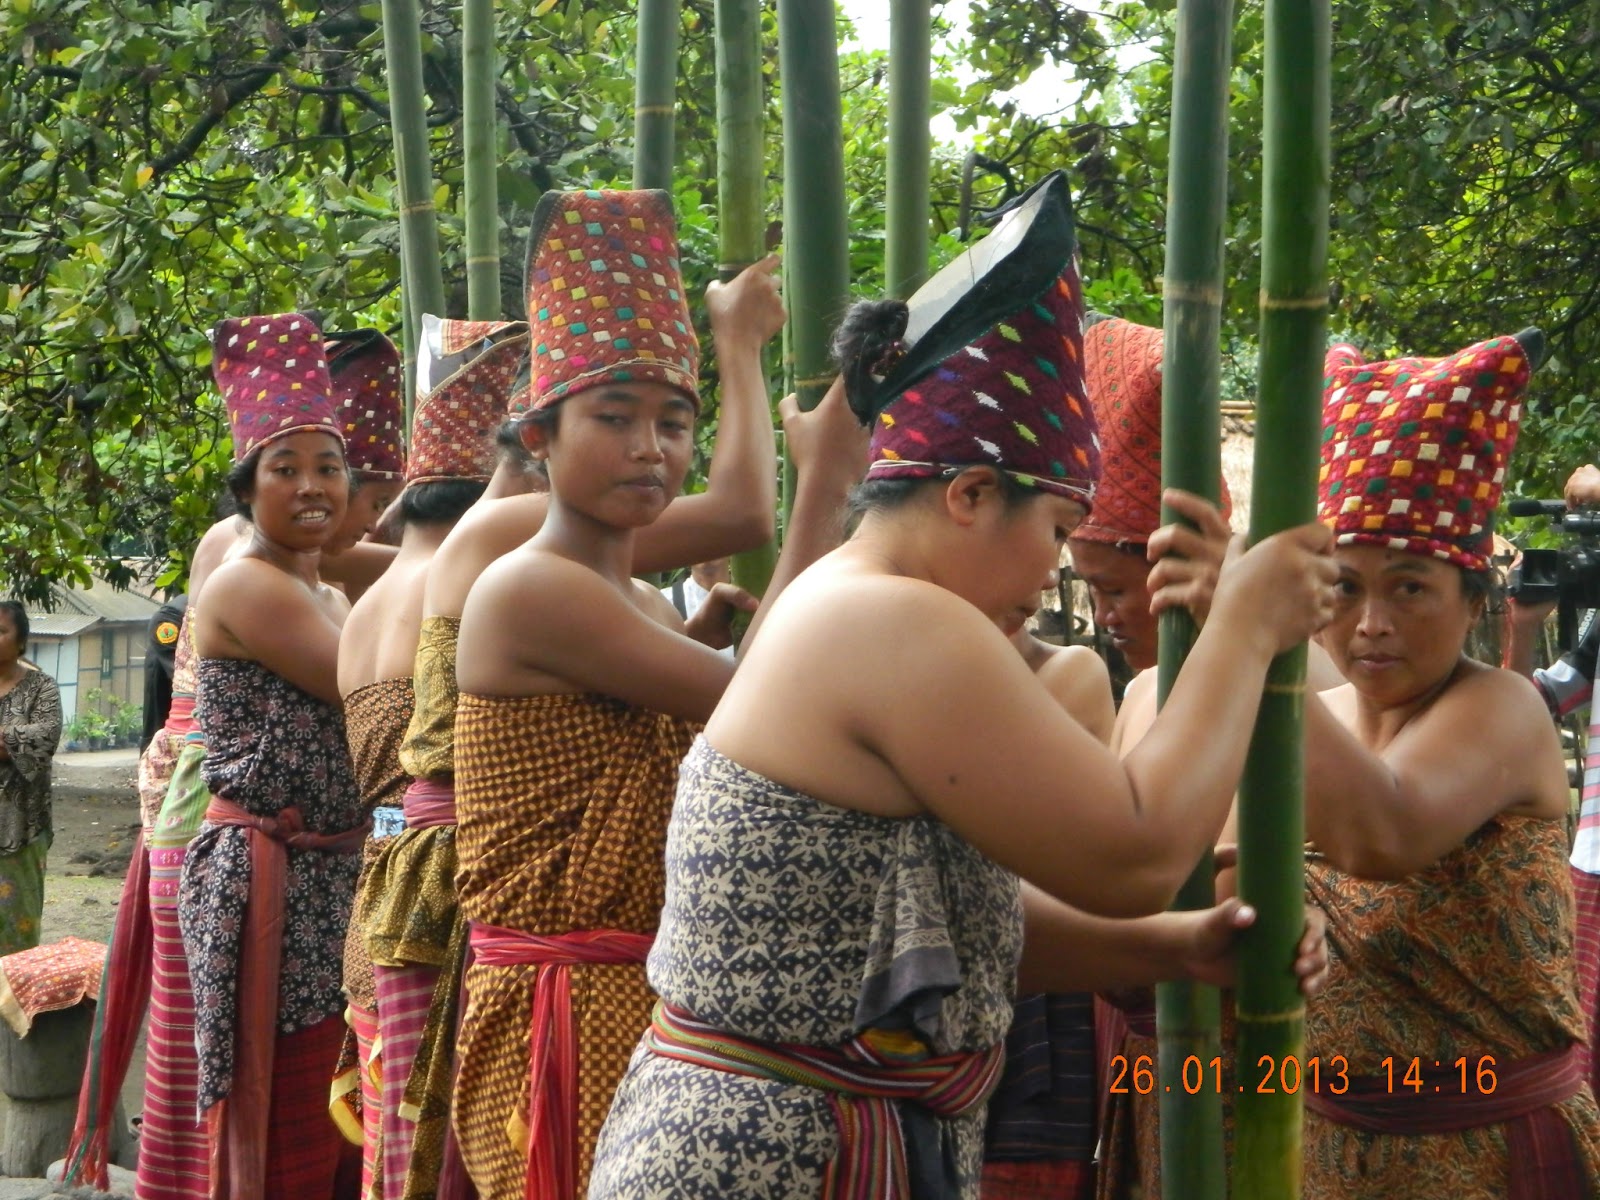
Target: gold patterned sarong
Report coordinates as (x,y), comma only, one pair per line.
(406,909)
(376,718)
(563,804)
(1472,956)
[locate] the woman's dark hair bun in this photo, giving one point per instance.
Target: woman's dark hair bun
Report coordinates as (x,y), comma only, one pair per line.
(866,345)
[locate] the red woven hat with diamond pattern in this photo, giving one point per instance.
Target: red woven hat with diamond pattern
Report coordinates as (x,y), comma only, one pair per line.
(1414,451)
(1122,363)
(365,369)
(605,295)
(992,371)
(468,368)
(273,377)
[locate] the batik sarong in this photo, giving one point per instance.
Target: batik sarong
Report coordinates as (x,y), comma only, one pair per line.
(1470,958)
(562,807)
(793,923)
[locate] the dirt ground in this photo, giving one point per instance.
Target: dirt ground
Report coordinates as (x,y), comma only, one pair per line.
(96,818)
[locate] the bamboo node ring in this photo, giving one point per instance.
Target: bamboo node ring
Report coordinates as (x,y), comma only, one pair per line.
(1293,303)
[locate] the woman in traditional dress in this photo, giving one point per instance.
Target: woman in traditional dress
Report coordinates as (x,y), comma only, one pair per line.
(579,686)
(1436,810)
(465,372)
(843,925)
(424,925)
(266,886)
(30,728)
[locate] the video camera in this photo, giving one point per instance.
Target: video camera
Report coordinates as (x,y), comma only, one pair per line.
(1570,576)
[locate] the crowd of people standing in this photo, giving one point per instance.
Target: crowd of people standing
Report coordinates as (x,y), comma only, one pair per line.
(475,867)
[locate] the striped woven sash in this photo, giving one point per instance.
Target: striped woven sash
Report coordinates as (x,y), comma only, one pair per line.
(864,1085)
(552,1171)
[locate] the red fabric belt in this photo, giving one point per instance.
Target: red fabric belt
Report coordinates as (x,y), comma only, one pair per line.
(180,717)
(430,803)
(240,1122)
(1544,1157)
(553,1043)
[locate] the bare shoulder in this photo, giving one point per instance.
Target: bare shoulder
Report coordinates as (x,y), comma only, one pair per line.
(1077,678)
(1495,699)
(487,532)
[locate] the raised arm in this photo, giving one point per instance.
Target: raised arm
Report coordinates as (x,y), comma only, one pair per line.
(738,509)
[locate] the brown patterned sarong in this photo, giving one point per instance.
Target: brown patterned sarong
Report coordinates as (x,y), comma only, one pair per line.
(563,804)
(1471,956)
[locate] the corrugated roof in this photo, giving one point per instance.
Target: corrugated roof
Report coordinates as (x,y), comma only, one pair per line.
(59,624)
(76,609)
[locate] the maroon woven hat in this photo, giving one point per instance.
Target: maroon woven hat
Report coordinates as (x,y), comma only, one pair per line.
(365,369)
(605,295)
(467,369)
(992,369)
(273,378)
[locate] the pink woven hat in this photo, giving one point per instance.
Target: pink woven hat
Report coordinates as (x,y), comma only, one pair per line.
(273,377)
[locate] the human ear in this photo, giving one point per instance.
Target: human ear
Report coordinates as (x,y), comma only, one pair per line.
(534,440)
(969,492)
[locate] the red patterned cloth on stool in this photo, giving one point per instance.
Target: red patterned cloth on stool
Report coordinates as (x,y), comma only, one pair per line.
(1414,451)
(465,372)
(989,368)
(48,978)
(1122,365)
(365,369)
(273,376)
(605,295)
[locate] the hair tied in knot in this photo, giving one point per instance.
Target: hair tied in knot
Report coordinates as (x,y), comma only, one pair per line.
(887,358)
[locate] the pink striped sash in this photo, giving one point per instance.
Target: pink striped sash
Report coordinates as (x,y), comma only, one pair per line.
(429,803)
(553,1041)
(863,1084)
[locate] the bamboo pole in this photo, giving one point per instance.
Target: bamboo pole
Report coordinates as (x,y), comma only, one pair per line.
(655,93)
(479,167)
(741,171)
(421,278)
(1189,1015)
(1294,310)
(816,262)
(910,144)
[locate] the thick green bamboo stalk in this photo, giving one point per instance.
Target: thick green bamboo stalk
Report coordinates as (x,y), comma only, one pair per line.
(1188,1015)
(655,92)
(1294,311)
(478,164)
(421,278)
(741,211)
(816,261)
(910,144)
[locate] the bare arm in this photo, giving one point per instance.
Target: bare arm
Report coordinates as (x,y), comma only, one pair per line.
(1485,747)
(358,568)
(1064,950)
(1027,785)
(258,612)
(538,624)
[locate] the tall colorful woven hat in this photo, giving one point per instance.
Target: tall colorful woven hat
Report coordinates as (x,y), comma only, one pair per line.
(465,372)
(365,368)
(273,377)
(992,366)
(605,296)
(1122,368)
(1414,451)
